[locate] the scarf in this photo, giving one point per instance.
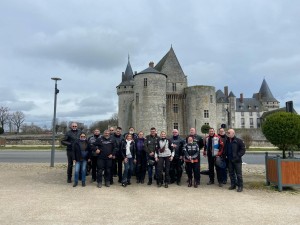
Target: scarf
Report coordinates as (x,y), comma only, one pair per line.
(128,152)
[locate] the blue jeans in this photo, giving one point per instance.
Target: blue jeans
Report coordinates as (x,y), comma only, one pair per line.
(128,169)
(78,165)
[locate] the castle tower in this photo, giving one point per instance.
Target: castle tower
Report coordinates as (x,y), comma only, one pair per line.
(176,82)
(266,97)
(150,99)
(232,109)
(125,93)
(200,107)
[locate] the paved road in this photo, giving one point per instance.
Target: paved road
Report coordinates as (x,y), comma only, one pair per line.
(60,157)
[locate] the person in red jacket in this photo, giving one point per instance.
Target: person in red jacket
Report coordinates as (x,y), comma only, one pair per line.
(213,147)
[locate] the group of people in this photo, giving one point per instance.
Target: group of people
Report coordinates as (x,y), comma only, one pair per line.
(114,154)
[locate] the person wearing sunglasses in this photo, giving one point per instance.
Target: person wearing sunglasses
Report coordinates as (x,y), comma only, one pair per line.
(68,140)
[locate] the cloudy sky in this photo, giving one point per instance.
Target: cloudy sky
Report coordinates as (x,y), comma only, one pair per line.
(86,43)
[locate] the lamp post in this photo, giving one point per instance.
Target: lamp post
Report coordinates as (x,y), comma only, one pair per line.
(56,91)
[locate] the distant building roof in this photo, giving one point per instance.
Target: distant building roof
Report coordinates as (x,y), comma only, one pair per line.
(265,93)
(248,105)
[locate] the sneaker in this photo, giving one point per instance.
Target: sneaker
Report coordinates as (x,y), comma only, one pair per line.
(124,184)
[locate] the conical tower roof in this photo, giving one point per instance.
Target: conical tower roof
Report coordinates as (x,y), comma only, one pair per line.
(266,93)
(127,76)
(170,66)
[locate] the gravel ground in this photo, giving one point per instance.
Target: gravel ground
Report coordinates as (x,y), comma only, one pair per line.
(38,194)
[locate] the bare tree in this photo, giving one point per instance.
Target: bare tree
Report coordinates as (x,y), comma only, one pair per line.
(4,115)
(17,118)
(31,129)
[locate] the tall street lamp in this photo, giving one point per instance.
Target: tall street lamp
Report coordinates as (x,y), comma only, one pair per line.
(56,91)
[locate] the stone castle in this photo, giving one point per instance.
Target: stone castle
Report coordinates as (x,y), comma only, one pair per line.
(160,97)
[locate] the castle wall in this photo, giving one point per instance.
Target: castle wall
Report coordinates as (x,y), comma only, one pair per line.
(150,105)
(175,112)
(198,99)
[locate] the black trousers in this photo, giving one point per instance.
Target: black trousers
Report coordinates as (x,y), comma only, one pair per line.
(235,173)
(211,166)
(120,168)
(163,161)
(94,167)
(104,165)
(70,164)
(141,167)
(176,170)
(193,168)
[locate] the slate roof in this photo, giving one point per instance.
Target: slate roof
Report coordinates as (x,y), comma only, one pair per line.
(221,97)
(127,77)
(150,70)
(266,93)
(248,105)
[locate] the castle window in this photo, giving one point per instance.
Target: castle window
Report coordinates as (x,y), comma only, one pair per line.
(175,108)
(164,111)
(145,82)
(251,122)
(243,122)
(175,126)
(211,99)
(250,114)
(258,122)
(206,124)
(206,114)
(174,86)
(242,113)
(137,98)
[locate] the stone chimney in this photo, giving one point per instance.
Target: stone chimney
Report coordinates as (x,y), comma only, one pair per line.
(226,91)
(151,64)
(241,98)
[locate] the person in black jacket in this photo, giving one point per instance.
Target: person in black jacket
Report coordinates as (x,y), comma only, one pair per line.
(141,158)
(191,157)
(224,171)
(81,155)
(234,150)
(199,141)
(94,157)
(105,148)
(128,155)
(176,164)
(118,161)
(68,140)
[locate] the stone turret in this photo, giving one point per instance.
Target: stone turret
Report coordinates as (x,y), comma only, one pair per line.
(125,92)
(150,99)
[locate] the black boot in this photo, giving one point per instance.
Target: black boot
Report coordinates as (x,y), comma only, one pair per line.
(195,184)
(240,189)
(150,181)
(75,184)
(190,183)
